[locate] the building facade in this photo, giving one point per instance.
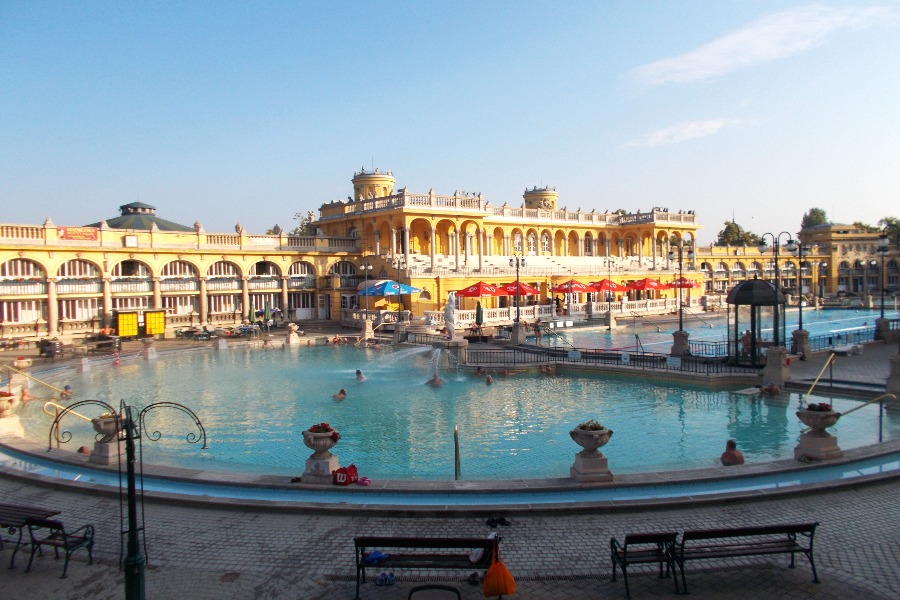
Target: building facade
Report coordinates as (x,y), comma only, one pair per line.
(67,281)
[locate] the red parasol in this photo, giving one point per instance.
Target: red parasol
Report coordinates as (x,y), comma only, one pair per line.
(646,284)
(608,285)
(480,289)
(573,287)
(682,282)
(523,290)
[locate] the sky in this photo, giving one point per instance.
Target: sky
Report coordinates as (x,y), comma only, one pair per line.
(250,112)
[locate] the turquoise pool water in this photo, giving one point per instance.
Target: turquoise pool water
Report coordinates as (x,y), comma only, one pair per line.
(254,403)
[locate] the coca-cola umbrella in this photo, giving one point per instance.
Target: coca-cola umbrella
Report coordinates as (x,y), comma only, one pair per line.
(477,290)
(682,282)
(646,284)
(523,289)
(608,285)
(574,287)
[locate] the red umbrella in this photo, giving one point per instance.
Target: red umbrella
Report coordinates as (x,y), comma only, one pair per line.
(682,282)
(646,284)
(574,287)
(523,290)
(608,285)
(480,289)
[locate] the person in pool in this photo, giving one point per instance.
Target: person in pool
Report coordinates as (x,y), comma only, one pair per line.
(340,395)
(732,456)
(435,381)
(360,376)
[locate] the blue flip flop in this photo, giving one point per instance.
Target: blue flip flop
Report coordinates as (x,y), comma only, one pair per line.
(382,579)
(390,579)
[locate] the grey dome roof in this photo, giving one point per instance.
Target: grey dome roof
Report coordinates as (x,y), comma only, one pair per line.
(755,292)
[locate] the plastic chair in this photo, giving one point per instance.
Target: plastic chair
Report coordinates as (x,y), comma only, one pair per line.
(434,591)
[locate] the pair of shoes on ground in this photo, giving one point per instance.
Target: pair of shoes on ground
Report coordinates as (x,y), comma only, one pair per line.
(385,579)
(376,556)
(494,521)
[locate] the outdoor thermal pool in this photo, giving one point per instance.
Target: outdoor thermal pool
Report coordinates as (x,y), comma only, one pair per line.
(255,403)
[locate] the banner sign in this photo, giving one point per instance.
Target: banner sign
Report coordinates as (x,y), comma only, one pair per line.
(86,234)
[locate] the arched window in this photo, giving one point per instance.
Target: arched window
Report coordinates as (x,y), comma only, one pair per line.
(517,241)
(545,242)
(532,244)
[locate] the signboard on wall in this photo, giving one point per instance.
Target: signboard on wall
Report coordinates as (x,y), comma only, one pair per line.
(126,324)
(154,322)
(89,234)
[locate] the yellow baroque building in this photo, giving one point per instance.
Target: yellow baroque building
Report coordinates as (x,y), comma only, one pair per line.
(71,280)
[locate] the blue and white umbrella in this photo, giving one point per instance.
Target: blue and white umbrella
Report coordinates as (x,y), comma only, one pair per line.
(388,287)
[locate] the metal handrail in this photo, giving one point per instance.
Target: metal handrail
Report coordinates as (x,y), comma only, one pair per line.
(819,376)
(45,384)
(60,406)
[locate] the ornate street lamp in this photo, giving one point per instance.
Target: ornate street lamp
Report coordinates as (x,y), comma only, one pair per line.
(690,257)
(776,245)
(399,263)
(823,272)
(517,261)
(884,245)
(798,249)
(366,266)
(125,427)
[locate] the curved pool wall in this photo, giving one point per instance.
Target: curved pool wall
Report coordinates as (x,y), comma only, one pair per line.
(858,467)
(393,427)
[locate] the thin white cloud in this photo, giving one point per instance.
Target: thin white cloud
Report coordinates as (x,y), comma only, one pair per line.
(682,132)
(773,37)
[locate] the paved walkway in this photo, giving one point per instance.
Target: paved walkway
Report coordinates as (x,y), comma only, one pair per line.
(202,552)
(205,551)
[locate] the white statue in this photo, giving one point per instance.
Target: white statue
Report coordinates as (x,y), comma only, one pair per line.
(450,315)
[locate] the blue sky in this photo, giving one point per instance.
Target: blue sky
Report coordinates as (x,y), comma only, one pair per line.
(228,112)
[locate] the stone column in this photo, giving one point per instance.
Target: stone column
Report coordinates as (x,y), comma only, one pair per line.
(245,296)
(800,339)
(284,297)
(680,346)
(52,307)
(776,370)
(204,304)
(157,292)
(107,301)
(893,380)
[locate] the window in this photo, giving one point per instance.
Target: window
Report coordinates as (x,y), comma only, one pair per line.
(545,243)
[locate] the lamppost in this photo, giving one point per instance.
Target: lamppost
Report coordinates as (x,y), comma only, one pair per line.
(800,336)
(129,429)
(680,345)
(517,261)
(366,266)
(690,257)
(399,263)
(884,244)
(823,271)
(763,248)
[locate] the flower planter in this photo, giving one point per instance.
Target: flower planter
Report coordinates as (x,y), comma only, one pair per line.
(322,462)
(590,465)
(319,443)
(817,444)
(108,427)
(818,420)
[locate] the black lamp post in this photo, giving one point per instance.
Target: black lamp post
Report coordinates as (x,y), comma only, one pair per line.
(776,244)
(517,261)
(823,271)
(690,256)
(366,266)
(129,430)
(799,248)
(884,244)
(399,263)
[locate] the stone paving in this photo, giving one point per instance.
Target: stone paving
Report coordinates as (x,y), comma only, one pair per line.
(205,551)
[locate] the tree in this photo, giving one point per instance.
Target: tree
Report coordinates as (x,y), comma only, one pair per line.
(865,227)
(893,231)
(813,217)
(734,235)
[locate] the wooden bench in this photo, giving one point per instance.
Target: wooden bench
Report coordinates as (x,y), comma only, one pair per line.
(422,553)
(644,548)
(746,541)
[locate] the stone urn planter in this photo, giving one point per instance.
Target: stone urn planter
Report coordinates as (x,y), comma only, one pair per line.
(22,362)
(590,464)
(6,404)
(320,443)
(818,420)
(108,427)
(817,444)
(320,439)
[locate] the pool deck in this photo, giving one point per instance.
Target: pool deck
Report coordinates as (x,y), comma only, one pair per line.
(211,550)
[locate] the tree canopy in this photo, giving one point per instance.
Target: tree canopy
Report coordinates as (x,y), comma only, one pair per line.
(813,217)
(735,235)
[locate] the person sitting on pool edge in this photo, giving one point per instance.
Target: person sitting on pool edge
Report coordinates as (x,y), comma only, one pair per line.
(732,456)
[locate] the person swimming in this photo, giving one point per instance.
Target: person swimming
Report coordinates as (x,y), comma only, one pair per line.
(435,381)
(360,376)
(340,395)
